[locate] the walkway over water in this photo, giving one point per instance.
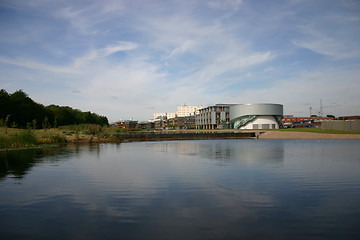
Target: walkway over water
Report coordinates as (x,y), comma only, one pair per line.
(181,135)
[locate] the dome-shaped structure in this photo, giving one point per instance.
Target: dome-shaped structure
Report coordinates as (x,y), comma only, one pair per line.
(256,116)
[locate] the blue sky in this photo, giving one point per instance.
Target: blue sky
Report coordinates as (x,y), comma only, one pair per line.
(129,58)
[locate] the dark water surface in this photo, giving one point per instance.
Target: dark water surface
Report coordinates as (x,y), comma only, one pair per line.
(211,189)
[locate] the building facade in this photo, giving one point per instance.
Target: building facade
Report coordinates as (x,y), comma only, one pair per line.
(183,111)
(160,116)
(213,117)
(187,122)
(256,116)
(127,124)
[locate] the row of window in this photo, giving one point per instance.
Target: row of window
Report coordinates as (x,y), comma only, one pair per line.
(264,126)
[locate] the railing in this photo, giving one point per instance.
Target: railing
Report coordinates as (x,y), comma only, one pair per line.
(243,121)
(182,135)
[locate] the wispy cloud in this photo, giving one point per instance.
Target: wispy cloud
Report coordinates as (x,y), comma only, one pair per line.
(38,66)
(86,18)
(104,52)
(224,4)
(331,46)
(326,33)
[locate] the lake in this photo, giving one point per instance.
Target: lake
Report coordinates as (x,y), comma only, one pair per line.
(201,189)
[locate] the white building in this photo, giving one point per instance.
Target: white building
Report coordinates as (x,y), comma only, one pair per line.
(157,116)
(183,111)
(256,116)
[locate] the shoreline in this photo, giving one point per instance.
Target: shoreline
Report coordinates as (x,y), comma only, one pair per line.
(305,135)
(188,135)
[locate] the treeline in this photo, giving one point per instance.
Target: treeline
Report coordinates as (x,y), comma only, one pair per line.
(19,110)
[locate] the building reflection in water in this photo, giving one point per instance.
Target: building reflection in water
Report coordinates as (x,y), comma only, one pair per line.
(227,151)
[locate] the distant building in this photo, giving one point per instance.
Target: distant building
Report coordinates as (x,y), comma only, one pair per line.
(187,122)
(349,118)
(127,124)
(158,116)
(145,125)
(292,120)
(183,111)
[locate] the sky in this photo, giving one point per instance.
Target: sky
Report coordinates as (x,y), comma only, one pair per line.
(126,59)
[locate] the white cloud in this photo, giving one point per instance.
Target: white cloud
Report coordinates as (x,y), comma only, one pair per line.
(104,52)
(87,18)
(326,34)
(38,66)
(224,4)
(227,62)
(179,50)
(330,85)
(329,46)
(269,69)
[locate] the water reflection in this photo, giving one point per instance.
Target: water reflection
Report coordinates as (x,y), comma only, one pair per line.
(227,189)
(226,151)
(18,163)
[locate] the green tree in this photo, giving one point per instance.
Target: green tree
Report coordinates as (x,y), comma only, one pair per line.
(23,110)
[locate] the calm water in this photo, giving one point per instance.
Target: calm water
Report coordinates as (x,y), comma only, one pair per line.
(213,189)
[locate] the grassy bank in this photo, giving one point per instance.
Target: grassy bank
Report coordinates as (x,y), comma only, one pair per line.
(316,130)
(10,138)
(89,133)
(86,133)
(15,138)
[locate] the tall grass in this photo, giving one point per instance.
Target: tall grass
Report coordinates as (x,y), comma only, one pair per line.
(50,136)
(29,138)
(23,138)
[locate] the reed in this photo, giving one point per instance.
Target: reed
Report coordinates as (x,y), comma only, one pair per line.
(23,138)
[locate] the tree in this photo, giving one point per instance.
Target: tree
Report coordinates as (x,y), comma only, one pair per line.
(20,109)
(45,123)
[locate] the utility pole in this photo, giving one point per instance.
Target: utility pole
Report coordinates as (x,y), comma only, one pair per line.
(310,111)
(321,108)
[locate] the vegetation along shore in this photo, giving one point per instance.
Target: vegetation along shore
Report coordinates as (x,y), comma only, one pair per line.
(90,133)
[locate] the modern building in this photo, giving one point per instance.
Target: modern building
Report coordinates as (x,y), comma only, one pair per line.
(213,117)
(183,111)
(256,116)
(233,116)
(240,116)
